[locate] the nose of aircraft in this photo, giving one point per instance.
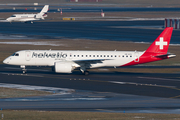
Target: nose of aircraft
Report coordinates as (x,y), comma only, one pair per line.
(8,19)
(6,61)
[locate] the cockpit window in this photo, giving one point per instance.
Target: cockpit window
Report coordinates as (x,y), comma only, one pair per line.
(13,16)
(15,54)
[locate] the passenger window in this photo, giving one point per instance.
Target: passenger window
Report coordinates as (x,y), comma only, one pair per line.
(107,55)
(74,55)
(93,55)
(97,55)
(82,55)
(101,55)
(104,55)
(77,55)
(86,55)
(89,55)
(111,55)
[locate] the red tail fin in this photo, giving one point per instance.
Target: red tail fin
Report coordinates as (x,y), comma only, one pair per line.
(161,44)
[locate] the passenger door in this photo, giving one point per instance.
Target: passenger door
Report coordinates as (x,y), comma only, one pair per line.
(136,54)
(28,55)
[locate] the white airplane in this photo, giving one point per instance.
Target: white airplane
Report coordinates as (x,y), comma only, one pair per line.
(64,61)
(29,17)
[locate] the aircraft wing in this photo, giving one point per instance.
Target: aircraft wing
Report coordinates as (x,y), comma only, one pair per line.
(4,21)
(88,63)
(27,19)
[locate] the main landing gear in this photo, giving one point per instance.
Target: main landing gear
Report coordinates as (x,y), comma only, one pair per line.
(84,71)
(23,69)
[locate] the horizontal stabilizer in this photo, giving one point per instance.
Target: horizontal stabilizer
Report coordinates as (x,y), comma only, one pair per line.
(168,55)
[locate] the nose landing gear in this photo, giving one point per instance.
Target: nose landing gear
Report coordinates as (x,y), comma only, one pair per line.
(23,69)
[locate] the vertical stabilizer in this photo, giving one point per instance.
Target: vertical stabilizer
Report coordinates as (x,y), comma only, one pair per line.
(161,44)
(44,10)
(157,50)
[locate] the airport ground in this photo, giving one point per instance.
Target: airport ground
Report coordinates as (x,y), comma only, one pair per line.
(58,115)
(141,81)
(126,3)
(100,95)
(109,16)
(166,73)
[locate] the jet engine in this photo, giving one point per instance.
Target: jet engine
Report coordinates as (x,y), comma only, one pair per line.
(38,16)
(63,67)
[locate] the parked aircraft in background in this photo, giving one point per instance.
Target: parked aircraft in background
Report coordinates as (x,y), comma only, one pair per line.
(65,61)
(29,17)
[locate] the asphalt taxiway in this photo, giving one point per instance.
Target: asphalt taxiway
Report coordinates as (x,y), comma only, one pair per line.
(100,91)
(135,31)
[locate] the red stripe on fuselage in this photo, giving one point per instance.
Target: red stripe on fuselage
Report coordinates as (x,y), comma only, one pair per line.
(145,58)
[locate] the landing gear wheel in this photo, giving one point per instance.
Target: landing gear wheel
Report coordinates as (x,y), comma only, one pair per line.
(23,68)
(86,72)
(24,71)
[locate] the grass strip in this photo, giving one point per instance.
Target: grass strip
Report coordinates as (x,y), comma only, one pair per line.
(54,115)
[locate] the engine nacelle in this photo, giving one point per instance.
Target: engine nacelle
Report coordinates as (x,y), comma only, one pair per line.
(38,16)
(63,67)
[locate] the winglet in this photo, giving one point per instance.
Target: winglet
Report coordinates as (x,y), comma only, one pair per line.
(161,44)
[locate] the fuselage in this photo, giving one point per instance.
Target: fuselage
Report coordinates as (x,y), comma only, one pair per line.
(49,57)
(29,17)
(22,18)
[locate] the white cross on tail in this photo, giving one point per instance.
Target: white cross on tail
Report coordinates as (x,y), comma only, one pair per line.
(161,43)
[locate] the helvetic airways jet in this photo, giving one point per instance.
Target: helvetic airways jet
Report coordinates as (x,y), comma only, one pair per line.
(63,61)
(29,17)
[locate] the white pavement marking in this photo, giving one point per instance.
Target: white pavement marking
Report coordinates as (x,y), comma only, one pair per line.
(39,88)
(21,74)
(27,69)
(160,79)
(34,43)
(155,85)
